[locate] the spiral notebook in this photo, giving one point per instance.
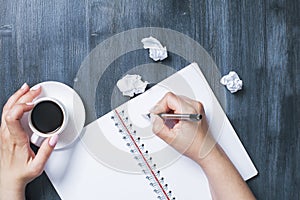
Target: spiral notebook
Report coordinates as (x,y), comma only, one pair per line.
(118,156)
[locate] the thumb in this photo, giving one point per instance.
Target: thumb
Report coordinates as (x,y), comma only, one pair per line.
(44,152)
(157,124)
(159,127)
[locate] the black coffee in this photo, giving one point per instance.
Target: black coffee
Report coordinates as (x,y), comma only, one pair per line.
(47,117)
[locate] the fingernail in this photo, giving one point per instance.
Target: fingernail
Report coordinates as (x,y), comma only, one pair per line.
(154,109)
(36,87)
(30,104)
(53,140)
(24,86)
(157,123)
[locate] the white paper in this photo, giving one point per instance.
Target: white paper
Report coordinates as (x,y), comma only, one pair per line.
(131,84)
(80,172)
(232,82)
(156,50)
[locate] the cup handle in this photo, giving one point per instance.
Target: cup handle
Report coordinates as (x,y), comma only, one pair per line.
(37,140)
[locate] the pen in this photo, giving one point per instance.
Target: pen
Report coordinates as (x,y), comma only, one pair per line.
(189,117)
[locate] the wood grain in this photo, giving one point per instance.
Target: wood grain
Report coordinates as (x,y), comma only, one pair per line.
(260,40)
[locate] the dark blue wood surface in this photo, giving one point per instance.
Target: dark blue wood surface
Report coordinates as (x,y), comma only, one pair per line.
(48,40)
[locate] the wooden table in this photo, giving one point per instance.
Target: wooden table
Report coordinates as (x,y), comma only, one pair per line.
(48,40)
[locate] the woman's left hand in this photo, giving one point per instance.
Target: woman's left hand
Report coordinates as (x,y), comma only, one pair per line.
(18,163)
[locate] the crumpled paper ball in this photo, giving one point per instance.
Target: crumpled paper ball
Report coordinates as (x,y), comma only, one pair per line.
(131,84)
(232,82)
(156,50)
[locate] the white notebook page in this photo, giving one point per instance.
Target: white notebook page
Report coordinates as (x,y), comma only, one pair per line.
(99,164)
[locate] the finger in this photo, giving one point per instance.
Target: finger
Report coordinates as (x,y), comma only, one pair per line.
(169,102)
(159,128)
(15,97)
(195,104)
(44,153)
(13,117)
(30,95)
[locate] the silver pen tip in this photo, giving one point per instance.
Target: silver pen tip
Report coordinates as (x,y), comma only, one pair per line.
(146,116)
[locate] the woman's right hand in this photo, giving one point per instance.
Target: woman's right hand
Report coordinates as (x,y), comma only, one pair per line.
(188,137)
(194,140)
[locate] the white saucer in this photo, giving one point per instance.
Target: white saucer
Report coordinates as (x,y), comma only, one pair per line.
(74,106)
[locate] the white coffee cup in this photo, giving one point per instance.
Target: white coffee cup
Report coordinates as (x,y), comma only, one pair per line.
(47,118)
